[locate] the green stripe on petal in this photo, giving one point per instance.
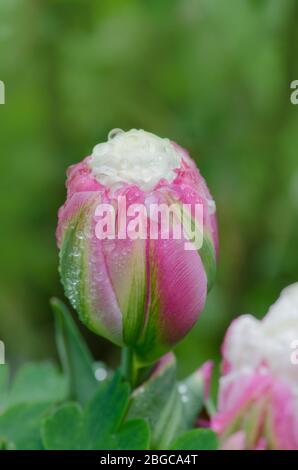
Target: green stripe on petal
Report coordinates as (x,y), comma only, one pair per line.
(207,254)
(192,228)
(134,302)
(150,345)
(71,263)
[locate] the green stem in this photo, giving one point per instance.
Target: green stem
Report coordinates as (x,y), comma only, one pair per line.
(131,371)
(127,365)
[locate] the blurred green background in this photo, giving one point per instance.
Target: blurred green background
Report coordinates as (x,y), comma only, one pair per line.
(214,76)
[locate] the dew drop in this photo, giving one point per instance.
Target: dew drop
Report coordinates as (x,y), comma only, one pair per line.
(182,388)
(100,374)
(114,132)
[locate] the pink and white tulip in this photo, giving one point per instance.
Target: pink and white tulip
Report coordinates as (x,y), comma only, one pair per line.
(258,394)
(143,293)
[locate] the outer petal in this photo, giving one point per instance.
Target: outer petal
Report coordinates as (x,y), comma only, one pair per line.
(126,266)
(236,394)
(283,417)
(259,405)
(189,196)
(178,288)
(83,268)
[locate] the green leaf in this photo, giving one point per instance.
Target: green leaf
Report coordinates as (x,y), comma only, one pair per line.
(33,383)
(22,407)
(134,435)
(38,383)
(157,401)
(75,357)
(20,426)
(5,445)
(191,390)
(4,371)
(99,426)
(3,378)
(169,408)
(196,439)
(64,429)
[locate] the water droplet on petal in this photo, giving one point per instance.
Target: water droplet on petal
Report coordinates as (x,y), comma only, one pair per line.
(114,132)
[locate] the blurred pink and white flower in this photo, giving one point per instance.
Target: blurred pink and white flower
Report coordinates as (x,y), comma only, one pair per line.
(143,293)
(258,394)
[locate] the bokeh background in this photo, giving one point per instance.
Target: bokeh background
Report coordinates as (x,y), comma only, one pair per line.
(214,76)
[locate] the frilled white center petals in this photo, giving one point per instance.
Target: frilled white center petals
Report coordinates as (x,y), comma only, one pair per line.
(251,343)
(135,157)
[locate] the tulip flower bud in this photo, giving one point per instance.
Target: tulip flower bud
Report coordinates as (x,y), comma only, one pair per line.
(131,280)
(258,395)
